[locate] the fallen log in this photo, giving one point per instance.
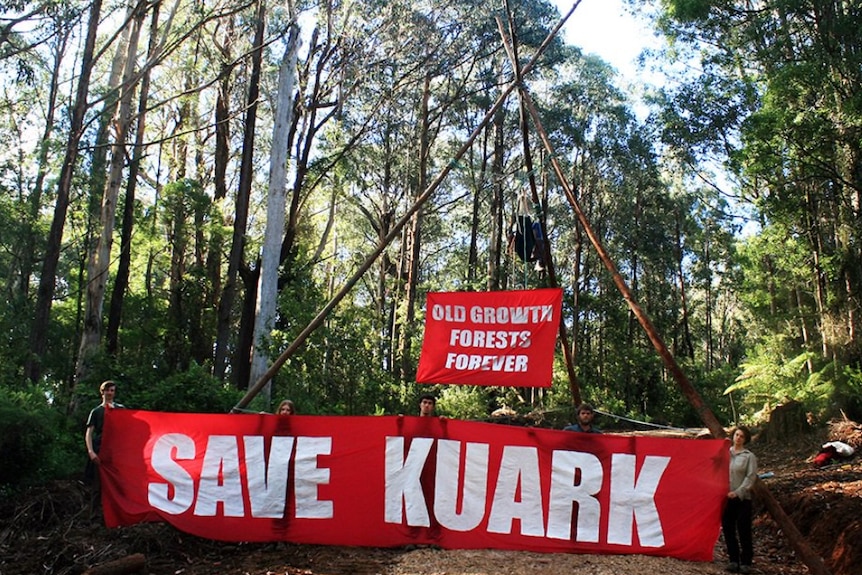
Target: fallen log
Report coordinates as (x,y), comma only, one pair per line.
(131,564)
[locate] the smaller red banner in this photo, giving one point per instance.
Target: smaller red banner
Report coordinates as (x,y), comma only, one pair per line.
(504,338)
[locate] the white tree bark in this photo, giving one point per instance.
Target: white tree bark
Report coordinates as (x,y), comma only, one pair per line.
(267,289)
(100,256)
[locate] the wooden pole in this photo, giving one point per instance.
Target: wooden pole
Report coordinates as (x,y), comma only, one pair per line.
(395,231)
(807,555)
(574,388)
(694,398)
(813,561)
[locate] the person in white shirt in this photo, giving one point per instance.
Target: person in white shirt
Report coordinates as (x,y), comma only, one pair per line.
(737,517)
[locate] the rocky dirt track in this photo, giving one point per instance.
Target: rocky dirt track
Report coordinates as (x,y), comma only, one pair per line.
(48,532)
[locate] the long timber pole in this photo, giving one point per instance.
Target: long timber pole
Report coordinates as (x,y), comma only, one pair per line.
(694,398)
(806,554)
(396,228)
(568,360)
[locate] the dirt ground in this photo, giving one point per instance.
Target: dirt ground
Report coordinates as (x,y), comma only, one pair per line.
(49,532)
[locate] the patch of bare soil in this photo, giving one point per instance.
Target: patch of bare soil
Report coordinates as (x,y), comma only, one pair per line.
(48,531)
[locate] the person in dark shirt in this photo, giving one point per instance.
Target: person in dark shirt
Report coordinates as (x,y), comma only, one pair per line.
(586,413)
(93,438)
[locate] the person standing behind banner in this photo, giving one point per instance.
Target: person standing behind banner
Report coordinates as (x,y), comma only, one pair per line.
(93,437)
(586,413)
(737,517)
(427,405)
(286,407)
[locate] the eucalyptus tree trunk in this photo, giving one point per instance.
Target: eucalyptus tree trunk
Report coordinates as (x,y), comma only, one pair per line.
(100,256)
(222,113)
(685,347)
(320,82)
(577,264)
(275,213)
(28,249)
(384,351)
(245,334)
(48,276)
(99,158)
(709,307)
(199,337)
(631,379)
(181,198)
(235,258)
(495,246)
(414,247)
(121,282)
(582,345)
(803,325)
(475,212)
(221,157)
(818,275)
(176,208)
(90,326)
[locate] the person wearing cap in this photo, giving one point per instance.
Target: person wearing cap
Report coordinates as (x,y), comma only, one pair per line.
(585,420)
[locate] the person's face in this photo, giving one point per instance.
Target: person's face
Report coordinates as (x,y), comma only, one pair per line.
(109,392)
(426,407)
(585,417)
(738,438)
(285,410)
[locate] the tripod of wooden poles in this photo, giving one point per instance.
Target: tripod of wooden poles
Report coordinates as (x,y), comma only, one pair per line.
(527,109)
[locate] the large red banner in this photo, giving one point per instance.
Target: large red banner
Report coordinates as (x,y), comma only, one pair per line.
(397,480)
(501,338)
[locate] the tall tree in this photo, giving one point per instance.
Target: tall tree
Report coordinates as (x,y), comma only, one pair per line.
(275,211)
(100,257)
(121,281)
(47,279)
(238,243)
(62,22)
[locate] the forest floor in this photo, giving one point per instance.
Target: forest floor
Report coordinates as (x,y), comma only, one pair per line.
(48,532)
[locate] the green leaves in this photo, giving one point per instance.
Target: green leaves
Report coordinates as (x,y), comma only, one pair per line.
(688,10)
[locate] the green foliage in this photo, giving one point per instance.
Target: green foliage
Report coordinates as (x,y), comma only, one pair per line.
(688,10)
(824,388)
(337,373)
(34,444)
(710,385)
(194,391)
(464,401)
(784,131)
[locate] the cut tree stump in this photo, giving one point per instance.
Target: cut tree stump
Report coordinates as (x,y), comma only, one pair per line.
(785,421)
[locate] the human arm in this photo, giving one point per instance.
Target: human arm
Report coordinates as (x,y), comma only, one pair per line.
(88,440)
